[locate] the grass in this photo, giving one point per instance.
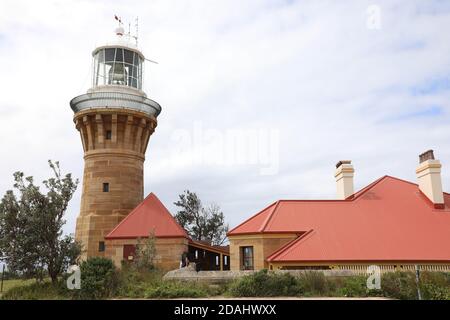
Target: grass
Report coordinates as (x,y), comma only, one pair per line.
(30,289)
(9,284)
(37,291)
(150,284)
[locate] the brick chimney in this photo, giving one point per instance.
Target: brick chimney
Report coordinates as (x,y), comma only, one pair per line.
(344,179)
(429,178)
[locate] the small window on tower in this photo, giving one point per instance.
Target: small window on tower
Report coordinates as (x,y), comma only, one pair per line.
(106,187)
(108,134)
(101,246)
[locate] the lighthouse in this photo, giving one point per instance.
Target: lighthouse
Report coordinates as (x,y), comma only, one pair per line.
(115,120)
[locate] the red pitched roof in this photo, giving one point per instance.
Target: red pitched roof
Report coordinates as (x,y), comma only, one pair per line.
(149,215)
(389,220)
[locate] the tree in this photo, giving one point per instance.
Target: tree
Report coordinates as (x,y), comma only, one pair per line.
(146,253)
(31,239)
(201,223)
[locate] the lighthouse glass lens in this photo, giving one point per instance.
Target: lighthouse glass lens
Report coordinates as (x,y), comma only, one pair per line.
(117,66)
(117,74)
(119,54)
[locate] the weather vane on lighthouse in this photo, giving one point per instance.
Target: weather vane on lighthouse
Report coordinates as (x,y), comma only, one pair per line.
(120,32)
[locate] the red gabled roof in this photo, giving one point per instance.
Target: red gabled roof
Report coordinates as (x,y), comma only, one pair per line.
(257,222)
(388,220)
(149,215)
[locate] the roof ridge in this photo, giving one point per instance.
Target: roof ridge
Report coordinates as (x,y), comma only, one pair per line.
(370,186)
(402,180)
(355,195)
(348,199)
(136,210)
(172,217)
(269,217)
(252,217)
(132,212)
(362,191)
(288,245)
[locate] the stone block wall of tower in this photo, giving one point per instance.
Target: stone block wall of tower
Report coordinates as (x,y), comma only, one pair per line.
(114,143)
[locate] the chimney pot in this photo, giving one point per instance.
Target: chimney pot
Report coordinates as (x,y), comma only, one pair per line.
(340,163)
(427,155)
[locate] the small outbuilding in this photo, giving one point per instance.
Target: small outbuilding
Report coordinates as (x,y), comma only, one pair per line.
(172,242)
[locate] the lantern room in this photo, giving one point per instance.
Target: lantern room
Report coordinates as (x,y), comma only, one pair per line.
(117,77)
(118,63)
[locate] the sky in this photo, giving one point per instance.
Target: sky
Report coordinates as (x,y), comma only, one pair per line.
(259,98)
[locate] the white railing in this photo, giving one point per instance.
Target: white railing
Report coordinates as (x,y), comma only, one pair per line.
(361,269)
(115,100)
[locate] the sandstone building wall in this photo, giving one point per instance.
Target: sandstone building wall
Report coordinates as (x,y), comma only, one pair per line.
(168,251)
(263,246)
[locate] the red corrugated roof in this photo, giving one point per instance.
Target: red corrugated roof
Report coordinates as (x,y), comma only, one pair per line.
(389,220)
(149,215)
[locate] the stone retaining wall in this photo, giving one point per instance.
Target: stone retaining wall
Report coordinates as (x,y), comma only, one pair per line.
(189,274)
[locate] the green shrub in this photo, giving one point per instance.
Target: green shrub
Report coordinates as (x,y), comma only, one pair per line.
(133,284)
(98,279)
(264,284)
(149,284)
(130,285)
(145,253)
(175,289)
(217,289)
(354,287)
(435,285)
(438,278)
(431,291)
(399,285)
(314,283)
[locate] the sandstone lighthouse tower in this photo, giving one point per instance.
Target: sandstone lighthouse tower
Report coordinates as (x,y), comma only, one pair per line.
(115,120)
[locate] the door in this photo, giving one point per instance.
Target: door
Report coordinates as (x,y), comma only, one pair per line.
(129,252)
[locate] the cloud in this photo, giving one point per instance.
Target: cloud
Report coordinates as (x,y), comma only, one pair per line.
(310,70)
